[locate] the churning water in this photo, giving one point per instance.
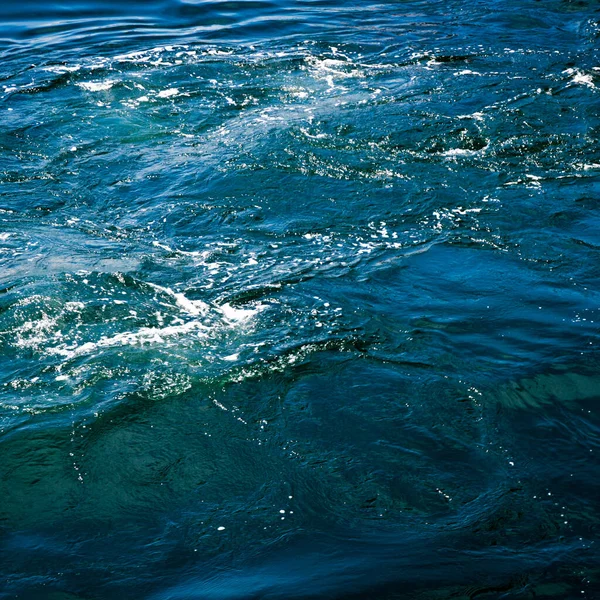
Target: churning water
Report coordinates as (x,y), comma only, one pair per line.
(299,299)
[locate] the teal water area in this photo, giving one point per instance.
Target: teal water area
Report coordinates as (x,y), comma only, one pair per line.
(299,300)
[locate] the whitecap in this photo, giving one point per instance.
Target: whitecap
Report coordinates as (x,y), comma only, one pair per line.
(192,307)
(145,335)
(97,86)
(237,315)
(168,93)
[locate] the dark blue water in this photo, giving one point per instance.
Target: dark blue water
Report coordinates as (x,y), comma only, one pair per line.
(299,299)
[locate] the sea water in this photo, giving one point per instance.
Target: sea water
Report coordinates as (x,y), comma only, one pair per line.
(299,299)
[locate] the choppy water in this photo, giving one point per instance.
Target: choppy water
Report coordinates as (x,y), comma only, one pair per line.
(299,299)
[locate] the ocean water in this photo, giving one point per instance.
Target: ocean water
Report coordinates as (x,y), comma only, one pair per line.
(299,299)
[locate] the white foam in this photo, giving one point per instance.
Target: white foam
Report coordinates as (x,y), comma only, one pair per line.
(580,78)
(477,116)
(328,69)
(584,80)
(237,315)
(467,72)
(168,93)
(163,246)
(97,86)
(36,332)
(318,136)
(463,152)
(60,69)
(192,307)
(145,335)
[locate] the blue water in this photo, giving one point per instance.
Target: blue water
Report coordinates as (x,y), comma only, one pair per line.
(299,299)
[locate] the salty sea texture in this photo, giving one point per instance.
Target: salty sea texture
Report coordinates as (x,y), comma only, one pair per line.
(299,299)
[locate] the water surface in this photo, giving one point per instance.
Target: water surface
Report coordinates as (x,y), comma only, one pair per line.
(299,299)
